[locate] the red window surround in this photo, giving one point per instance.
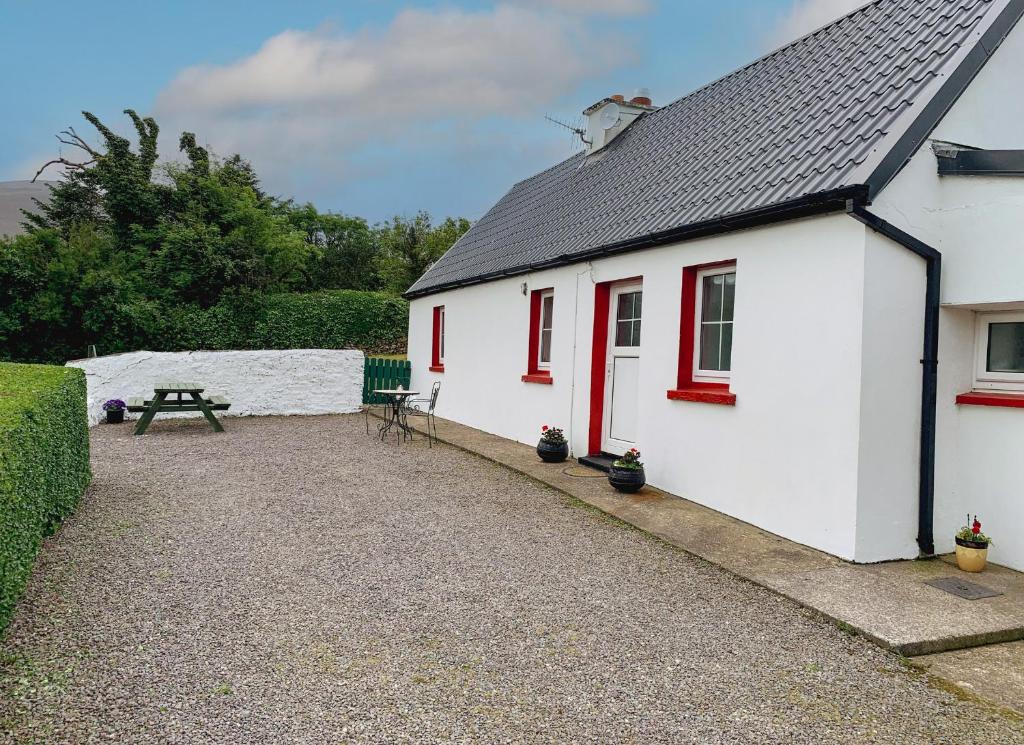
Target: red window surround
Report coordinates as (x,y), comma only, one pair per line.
(436,359)
(979,398)
(686,388)
(533,372)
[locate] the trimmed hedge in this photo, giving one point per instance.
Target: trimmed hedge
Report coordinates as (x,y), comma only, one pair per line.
(374,322)
(44,464)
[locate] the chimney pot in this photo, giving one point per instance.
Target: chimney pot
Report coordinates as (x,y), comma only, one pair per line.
(618,97)
(641,97)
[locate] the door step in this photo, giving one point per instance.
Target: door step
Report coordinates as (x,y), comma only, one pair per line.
(601,461)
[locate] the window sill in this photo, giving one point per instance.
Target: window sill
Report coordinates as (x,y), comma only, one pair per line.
(540,378)
(720,396)
(437,368)
(979,398)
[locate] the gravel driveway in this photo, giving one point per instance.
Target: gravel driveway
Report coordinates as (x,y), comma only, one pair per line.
(295,581)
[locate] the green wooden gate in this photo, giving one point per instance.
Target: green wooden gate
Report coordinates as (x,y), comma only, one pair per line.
(380,373)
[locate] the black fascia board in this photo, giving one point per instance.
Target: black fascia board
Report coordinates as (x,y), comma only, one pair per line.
(808,206)
(940,104)
(982,163)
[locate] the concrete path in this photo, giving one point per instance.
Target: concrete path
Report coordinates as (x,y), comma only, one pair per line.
(888,603)
(295,581)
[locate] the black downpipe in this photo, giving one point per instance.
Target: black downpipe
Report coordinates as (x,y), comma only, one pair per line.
(930,369)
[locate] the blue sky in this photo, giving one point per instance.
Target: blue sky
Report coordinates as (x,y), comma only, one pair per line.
(373,108)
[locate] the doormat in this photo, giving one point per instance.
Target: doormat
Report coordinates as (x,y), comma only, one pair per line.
(962,588)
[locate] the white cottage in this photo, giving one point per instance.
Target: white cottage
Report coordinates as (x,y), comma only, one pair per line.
(798,290)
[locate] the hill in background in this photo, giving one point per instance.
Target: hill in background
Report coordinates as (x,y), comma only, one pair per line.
(16,196)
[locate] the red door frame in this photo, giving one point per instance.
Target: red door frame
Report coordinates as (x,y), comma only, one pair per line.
(599,358)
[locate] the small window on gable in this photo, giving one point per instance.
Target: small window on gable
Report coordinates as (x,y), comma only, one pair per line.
(715,298)
(437,346)
(1000,351)
(540,350)
(547,310)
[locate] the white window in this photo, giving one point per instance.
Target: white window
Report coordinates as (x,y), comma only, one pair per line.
(547,312)
(1000,351)
(712,350)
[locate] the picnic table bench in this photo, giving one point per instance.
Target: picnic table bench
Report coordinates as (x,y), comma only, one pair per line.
(161,403)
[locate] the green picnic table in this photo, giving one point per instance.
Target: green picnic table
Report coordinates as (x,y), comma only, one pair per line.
(161,402)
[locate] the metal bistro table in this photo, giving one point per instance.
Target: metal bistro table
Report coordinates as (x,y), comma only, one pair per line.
(395,412)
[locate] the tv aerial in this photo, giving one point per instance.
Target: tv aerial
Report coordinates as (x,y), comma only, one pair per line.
(577,130)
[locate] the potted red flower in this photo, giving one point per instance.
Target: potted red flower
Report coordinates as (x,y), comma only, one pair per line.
(553,447)
(627,473)
(972,546)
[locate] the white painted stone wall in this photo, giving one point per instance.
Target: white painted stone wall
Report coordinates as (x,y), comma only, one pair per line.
(258,383)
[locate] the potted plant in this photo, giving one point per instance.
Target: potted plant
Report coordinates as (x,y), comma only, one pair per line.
(552,447)
(115,410)
(972,546)
(627,473)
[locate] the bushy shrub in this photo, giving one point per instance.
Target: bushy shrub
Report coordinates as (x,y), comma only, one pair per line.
(44,464)
(342,319)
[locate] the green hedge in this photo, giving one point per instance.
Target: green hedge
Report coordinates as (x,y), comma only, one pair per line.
(44,464)
(374,322)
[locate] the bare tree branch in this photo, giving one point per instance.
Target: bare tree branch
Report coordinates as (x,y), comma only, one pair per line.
(76,141)
(64,162)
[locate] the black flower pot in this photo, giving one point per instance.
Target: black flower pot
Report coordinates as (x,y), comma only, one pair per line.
(627,480)
(550,453)
(115,416)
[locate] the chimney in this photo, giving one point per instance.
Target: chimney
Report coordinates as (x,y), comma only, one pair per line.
(609,117)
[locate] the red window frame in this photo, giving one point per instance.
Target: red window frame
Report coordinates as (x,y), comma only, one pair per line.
(437,340)
(534,372)
(687,389)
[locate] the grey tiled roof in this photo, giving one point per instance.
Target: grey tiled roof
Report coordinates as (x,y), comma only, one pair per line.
(817,116)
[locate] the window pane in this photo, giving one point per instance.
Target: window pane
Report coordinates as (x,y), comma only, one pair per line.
(624,334)
(636,333)
(726,347)
(730,297)
(1006,347)
(625,309)
(710,345)
(711,310)
(548,305)
(545,347)
(638,301)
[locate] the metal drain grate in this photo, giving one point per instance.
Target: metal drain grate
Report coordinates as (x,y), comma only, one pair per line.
(962,588)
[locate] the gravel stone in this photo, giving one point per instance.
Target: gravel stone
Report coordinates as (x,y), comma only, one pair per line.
(295,581)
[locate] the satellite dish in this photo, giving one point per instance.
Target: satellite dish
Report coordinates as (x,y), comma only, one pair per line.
(609,116)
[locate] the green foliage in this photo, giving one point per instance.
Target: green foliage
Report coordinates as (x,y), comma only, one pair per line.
(44,464)
(128,255)
(341,319)
(409,247)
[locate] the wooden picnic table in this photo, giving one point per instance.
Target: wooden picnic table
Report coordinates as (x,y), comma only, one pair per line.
(161,402)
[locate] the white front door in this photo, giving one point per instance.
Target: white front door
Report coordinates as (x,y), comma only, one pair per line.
(622,369)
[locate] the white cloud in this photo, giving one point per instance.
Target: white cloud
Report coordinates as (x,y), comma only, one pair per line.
(805,16)
(593,7)
(314,97)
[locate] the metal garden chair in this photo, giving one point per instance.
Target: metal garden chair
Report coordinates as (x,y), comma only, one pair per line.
(413,408)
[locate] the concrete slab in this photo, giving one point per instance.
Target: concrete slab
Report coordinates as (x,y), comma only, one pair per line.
(995,672)
(888,603)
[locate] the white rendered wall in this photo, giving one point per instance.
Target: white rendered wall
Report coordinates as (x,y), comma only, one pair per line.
(978,225)
(295,381)
(890,419)
(788,457)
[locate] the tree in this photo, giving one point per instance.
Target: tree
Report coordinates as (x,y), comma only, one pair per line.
(344,252)
(409,247)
